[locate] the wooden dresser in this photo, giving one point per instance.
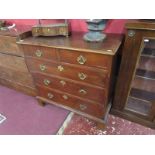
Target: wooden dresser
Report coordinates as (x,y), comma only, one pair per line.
(72,73)
(13,69)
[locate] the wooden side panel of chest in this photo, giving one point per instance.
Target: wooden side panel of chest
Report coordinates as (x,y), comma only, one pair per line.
(8,45)
(14,74)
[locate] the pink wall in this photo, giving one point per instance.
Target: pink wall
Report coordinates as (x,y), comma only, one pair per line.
(113,26)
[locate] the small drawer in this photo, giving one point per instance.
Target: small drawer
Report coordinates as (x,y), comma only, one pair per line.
(98,77)
(72,102)
(40,52)
(86,58)
(71,87)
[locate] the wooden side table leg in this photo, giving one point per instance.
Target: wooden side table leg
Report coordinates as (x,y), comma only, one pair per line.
(41,103)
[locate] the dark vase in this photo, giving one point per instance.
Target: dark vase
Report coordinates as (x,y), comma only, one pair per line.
(95,27)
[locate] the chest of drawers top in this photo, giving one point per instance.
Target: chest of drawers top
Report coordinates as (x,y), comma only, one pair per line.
(75,42)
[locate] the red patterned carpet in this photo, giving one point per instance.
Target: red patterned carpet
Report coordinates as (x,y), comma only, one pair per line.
(115,126)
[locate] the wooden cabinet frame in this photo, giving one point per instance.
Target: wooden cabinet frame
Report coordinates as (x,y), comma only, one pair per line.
(136,32)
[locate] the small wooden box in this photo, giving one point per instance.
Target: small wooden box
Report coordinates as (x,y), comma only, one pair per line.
(51,30)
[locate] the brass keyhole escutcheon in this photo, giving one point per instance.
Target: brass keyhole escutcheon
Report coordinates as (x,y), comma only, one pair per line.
(42,67)
(62,82)
(81,60)
(65,97)
(60,68)
(47,82)
(38,53)
(82,91)
(82,76)
(50,96)
(83,107)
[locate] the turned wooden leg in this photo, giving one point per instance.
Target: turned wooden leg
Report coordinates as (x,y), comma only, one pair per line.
(41,103)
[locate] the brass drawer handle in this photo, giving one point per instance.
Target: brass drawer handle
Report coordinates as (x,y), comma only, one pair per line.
(83,107)
(50,96)
(65,97)
(82,91)
(81,60)
(82,76)
(42,67)
(62,82)
(38,53)
(47,82)
(60,68)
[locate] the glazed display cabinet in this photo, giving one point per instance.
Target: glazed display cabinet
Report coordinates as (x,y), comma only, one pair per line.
(135,90)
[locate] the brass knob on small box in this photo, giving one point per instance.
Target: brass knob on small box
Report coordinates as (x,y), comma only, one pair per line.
(47,82)
(50,96)
(83,107)
(60,68)
(38,53)
(62,82)
(42,67)
(65,97)
(82,76)
(81,60)
(82,91)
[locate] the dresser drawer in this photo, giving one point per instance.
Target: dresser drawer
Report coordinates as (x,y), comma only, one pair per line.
(71,87)
(92,76)
(85,58)
(72,102)
(40,52)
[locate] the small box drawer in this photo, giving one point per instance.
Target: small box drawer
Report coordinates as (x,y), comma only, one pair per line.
(72,87)
(40,52)
(97,77)
(85,58)
(72,102)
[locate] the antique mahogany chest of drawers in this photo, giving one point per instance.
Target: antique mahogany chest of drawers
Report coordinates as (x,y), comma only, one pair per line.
(13,70)
(72,73)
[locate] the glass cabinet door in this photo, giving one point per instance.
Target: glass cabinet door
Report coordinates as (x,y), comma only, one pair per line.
(141,98)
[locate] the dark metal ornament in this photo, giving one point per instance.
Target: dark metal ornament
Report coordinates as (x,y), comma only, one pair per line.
(95,27)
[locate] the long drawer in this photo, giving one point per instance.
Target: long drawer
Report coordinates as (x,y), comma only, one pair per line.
(85,91)
(72,102)
(97,77)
